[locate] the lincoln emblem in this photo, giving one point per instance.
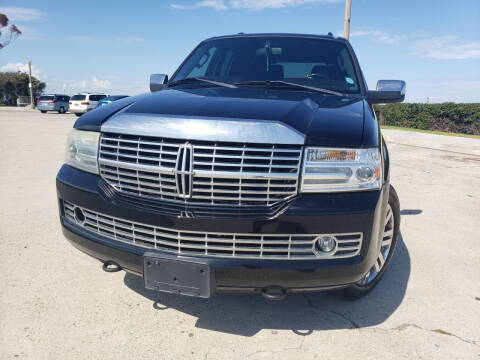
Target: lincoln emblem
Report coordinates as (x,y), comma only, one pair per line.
(184,171)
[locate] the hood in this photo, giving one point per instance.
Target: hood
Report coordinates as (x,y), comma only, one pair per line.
(321,119)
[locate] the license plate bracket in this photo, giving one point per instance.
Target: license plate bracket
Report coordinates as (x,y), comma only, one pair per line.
(178,276)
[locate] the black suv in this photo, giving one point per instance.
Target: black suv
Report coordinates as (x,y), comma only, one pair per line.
(259,166)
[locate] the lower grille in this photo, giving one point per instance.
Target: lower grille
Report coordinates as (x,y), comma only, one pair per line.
(211,244)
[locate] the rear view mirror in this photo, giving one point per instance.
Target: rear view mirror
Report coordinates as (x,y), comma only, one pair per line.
(274,50)
(157,82)
(388,91)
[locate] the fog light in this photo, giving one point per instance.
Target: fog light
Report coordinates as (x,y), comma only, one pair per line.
(79,216)
(326,244)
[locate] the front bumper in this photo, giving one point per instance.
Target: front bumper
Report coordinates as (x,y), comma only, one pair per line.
(307,213)
(79,110)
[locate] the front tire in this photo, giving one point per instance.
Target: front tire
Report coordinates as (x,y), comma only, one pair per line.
(43,111)
(389,242)
(61,110)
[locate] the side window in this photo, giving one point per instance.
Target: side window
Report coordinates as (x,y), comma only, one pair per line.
(94,97)
(201,68)
(102,97)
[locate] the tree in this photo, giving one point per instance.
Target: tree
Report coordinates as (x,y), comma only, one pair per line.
(15,84)
(12,32)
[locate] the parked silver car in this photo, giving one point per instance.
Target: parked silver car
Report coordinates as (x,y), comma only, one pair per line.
(53,102)
(84,102)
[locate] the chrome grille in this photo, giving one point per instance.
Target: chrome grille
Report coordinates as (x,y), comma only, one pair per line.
(212,244)
(200,172)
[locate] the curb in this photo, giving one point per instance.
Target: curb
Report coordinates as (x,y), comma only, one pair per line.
(16,108)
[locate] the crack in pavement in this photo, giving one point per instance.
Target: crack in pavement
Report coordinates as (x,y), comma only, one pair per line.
(405,326)
(400,327)
(299,347)
(310,303)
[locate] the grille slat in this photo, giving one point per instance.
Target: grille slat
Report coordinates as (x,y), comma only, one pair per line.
(146,184)
(265,149)
(242,166)
(347,248)
(135,190)
(259,192)
(243,157)
(200,172)
(121,165)
(146,150)
(211,244)
(200,181)
(251,175)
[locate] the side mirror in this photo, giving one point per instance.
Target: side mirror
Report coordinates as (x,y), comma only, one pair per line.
(157,82)
(388,91)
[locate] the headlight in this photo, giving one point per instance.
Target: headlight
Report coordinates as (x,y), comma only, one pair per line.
(82,150)
(335,170)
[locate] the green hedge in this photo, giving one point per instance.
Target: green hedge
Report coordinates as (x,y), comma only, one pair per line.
(450,117)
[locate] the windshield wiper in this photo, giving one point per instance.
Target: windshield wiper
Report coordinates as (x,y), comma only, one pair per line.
(198,79)
(290,84)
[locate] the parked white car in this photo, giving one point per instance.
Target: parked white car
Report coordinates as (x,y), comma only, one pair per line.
(84,102)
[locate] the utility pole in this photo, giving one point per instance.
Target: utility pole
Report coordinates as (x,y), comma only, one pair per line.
(346,24)
(30,82)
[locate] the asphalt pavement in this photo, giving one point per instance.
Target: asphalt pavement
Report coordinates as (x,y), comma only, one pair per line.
(56,303)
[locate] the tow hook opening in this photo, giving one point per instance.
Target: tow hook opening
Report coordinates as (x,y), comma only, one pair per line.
(111,266)
(274,293)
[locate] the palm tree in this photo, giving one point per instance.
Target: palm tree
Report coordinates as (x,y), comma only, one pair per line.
(12,31)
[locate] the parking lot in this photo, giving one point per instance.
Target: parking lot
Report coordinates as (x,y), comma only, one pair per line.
(57,303)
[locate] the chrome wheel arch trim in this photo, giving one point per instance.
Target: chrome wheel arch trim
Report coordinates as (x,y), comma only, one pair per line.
(204,128)
(385,247)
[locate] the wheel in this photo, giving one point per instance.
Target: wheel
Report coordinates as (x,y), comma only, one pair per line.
(61,110)
(43,111)
(78,114)
(389,241)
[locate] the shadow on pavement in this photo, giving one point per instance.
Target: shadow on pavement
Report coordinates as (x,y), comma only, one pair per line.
(411,212)
(247,314)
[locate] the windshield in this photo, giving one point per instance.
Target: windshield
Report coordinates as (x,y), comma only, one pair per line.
(307,61)
(78,97)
